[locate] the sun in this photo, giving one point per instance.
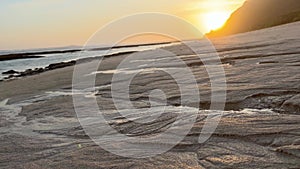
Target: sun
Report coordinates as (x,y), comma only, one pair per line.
(215,20)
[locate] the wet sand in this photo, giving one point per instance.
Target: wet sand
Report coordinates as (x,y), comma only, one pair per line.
(260,127)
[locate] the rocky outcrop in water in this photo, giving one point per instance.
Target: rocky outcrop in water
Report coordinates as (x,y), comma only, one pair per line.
(15,74)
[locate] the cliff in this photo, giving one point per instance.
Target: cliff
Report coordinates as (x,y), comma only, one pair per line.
(259,14)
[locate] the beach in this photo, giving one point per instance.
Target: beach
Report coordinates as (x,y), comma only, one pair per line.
(259,128)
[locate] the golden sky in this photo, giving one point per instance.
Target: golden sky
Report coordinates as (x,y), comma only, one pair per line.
(54,23)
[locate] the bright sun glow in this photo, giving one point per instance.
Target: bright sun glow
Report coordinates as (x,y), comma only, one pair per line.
(215,20)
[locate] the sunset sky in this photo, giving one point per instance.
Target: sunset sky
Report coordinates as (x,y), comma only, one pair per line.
(53,23)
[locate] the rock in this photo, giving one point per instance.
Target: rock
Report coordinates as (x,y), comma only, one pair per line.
(292,105)
(13,74)
(39,70)
(60,65)
(28,72)
(10,72)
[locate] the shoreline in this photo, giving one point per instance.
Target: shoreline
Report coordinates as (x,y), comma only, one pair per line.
(28,55)
(13,74)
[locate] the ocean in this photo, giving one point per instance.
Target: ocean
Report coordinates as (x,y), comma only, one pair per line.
(21,65)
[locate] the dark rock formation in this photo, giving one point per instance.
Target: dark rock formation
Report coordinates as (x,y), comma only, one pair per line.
(60,65)
(10,72)
(13,74)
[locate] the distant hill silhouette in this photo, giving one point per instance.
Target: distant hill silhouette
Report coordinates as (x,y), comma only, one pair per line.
(259,14)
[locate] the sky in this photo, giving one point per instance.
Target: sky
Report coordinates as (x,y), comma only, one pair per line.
(53,23)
